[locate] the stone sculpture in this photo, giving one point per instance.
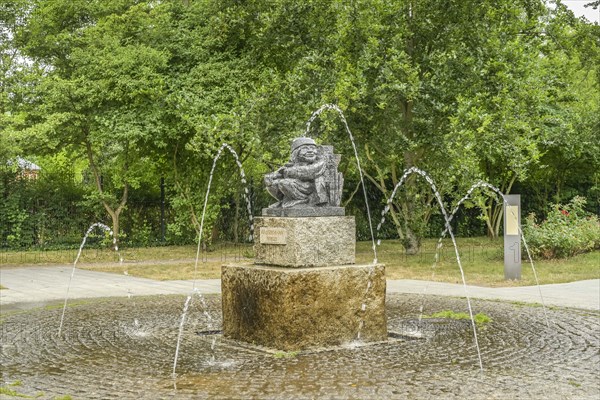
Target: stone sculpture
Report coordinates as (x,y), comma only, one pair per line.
(310,179)
(309,184)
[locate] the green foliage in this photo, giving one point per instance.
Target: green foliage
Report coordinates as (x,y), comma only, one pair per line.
(567,231)
(570,71)
(46,211)
(99,96)
(505,91)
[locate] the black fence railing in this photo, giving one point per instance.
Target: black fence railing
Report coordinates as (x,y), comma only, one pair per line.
(225,252)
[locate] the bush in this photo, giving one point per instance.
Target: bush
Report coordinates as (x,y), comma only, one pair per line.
(568,230)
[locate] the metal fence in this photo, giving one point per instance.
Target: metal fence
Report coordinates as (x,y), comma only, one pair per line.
(224,252)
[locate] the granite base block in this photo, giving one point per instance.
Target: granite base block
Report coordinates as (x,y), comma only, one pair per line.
(295,309)
(305,242)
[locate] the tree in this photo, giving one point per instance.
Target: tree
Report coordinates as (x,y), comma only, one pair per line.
(424,84)
(208,73)
(571,149)
(16,77)
(465,90)
(100,95)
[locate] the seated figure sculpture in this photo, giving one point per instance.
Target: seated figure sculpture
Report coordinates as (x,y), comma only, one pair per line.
(310,179)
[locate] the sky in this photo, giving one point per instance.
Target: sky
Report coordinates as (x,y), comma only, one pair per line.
(577,6)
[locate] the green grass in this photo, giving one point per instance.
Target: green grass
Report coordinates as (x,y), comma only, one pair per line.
(573,382)
(160,263)
(283,354)
(480,319)
(7,392)
(4,390)
(482,261)
(132,254)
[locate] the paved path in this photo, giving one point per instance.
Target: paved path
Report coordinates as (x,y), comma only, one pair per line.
(581,294)
(45,284)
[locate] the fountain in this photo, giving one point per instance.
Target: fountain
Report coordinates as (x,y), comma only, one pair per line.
(303,321)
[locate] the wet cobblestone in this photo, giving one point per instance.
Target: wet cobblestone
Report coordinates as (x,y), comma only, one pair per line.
(124,348)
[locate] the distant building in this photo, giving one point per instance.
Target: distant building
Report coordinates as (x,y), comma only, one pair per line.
(27,169)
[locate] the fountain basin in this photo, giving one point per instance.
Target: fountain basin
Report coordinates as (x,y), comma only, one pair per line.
(102,354)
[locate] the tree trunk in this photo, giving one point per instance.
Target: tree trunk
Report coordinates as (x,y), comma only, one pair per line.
(397,222)
(115,226)
(411,242)
(112,211)
(490,228)
(184,191)
(214,233)
(236,219)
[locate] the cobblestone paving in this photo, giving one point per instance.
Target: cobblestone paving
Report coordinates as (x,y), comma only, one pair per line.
(124,348)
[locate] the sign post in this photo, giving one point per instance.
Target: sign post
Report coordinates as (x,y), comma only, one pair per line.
(512,236)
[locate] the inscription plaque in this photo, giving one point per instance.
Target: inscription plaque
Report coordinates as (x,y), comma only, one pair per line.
(273,235)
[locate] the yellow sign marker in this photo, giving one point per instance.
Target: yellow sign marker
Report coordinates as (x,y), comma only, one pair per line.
(512,220)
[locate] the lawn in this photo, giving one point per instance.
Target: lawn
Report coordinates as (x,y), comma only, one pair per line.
(481,260)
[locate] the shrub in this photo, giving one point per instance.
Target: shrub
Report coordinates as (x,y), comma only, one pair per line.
(568,230)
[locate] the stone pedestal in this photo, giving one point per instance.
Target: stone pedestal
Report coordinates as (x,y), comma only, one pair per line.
(301,308)
(304,290)
(304,241)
